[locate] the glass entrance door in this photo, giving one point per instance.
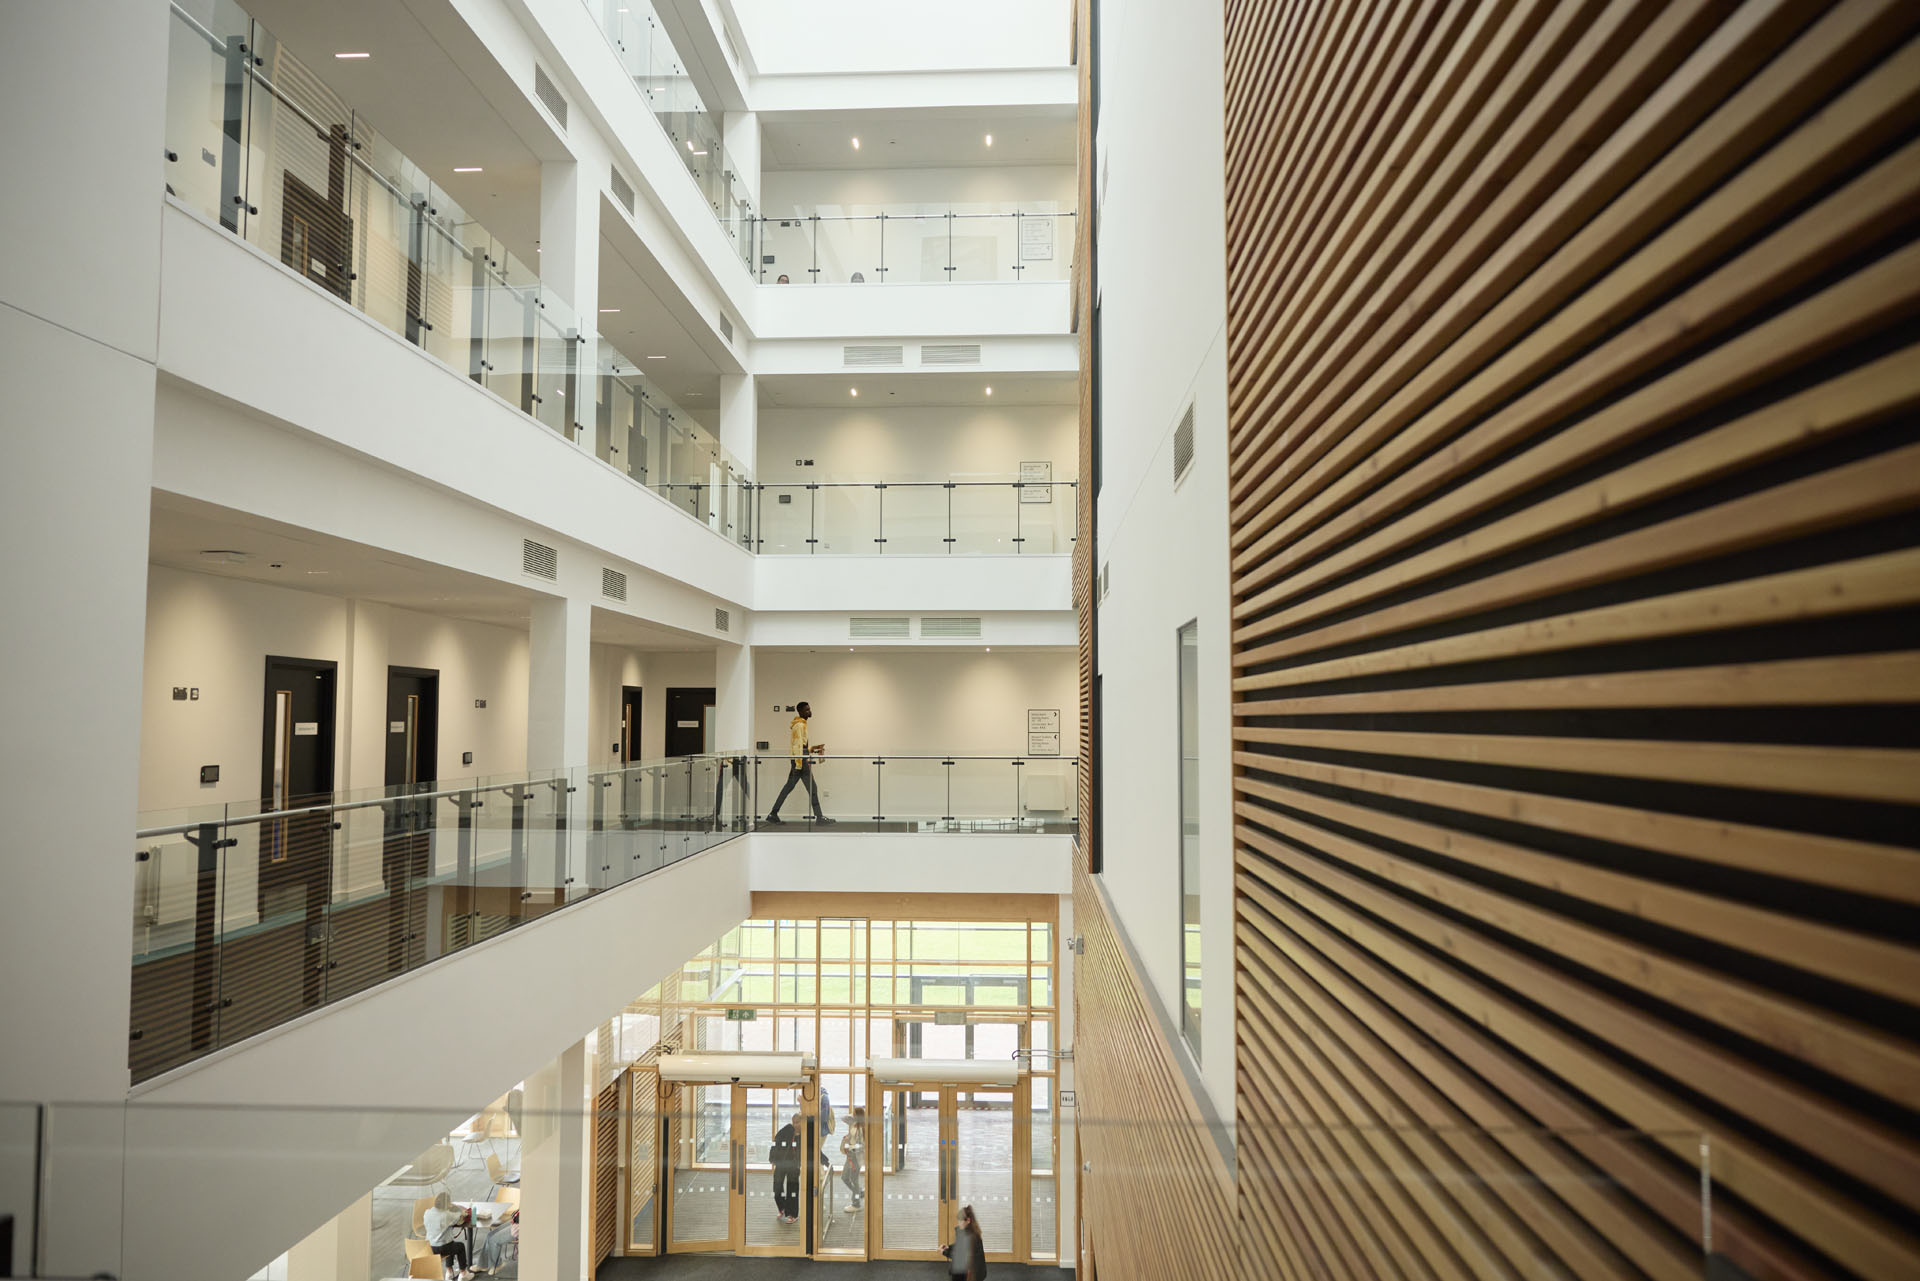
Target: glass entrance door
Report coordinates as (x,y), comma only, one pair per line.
(937,1148)
(738,1172)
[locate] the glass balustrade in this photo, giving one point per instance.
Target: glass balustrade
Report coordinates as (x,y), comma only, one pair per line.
(245,917)
(256,142)
(916,518)
(917,244)
(682,1158)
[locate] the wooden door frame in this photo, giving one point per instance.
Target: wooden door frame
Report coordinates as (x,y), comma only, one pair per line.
(735,1241)
(689,1095)
(947,1112)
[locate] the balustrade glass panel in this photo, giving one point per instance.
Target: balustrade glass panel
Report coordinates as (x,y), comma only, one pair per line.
(849,789)
(1046,515)
(985,519)
(1044,242)
(985,790)
(207,113)
(914,520)
(786,249)
(984,246)
(847,520)
(297,169)
(918,246)
(914,788)
(848,250)
(786,519)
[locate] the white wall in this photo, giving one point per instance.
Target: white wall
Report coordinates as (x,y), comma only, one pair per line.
(974,703)
(875,442)
(1162,250)
(904,35)
(213,634)
(863,191)
(655,672)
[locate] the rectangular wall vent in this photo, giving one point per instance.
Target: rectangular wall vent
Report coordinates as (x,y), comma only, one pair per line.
(949,629)
(878,629)
(867,355)
(722,621)
(726,327)
(549,95)
(1183,445)
(1103,581)
(950,353)
(613,584)
(539,560)
(623,191)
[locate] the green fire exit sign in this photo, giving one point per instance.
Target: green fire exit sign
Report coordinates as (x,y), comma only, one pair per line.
(741,1016)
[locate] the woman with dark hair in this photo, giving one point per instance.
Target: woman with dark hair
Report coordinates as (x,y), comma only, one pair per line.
(967,1256)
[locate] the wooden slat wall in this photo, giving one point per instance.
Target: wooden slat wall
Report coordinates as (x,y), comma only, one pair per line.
(1085,554)
(1573,366)
(1158,1198)
(603,1217)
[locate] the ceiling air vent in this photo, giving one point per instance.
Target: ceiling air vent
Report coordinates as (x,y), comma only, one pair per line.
(623,191)
(549,95)
(949,629)
(721,620)
(878,629)
(867,355)
(539,560)
(950,353)
(613,584)
(1183,445)
(726,327)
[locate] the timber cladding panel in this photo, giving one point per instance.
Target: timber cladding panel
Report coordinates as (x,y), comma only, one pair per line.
(1573,376)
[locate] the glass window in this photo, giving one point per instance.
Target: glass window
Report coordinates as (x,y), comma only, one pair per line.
(1189,648)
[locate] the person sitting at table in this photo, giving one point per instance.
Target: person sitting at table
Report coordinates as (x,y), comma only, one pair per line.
(446,1236)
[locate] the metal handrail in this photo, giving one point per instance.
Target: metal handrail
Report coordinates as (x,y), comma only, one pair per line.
(332,807)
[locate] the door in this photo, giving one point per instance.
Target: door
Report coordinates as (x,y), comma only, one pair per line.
(630,749)
(413,746)
(728,1187)
(942,1147)
(688,714)
(295,855)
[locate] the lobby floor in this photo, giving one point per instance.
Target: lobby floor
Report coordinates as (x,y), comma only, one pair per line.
(722,1267)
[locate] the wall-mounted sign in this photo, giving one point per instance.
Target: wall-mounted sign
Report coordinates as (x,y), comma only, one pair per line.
(742,1015)
(950,1018)
(1036,482)
(1066,1098)
(306,729)
(396,727)
(1036,238)
(1043,731)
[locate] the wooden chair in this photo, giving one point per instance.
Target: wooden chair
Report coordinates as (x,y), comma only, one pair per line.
(420,1207)
(510,1196)
(498,1172)
(430,1267)
(430,1170)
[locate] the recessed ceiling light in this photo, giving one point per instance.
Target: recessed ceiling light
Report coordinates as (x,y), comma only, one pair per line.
(353,55)
(989,391)
(466,169)
(989,140)
(656,357)
(853,391)
(609,311)
(856,144)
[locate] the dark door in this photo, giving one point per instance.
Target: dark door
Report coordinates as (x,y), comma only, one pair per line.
(630,748)
(413,754)
(687,712)
(295,852)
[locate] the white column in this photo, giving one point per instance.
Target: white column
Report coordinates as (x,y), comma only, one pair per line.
(740,135)
(553,1170)
(339,1249)
(739,420)
(79,308)
(560,653)
(733,697)
(570,267)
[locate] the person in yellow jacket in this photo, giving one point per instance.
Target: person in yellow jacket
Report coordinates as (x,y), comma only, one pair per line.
(801,765)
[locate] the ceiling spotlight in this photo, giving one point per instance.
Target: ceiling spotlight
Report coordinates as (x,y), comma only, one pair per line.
(656,357)
(856,144)
(989,391)
(989,140)
(609,311)
(853,391)
(353,55)
(466,169)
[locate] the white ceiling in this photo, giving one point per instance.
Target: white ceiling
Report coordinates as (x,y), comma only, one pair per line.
(916,139)
(645,326)
(182,531)
(420,100)
(945,388)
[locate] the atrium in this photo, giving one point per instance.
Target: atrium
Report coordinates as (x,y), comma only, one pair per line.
(1270,639)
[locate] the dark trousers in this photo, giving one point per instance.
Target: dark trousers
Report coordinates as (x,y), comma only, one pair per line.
(796,774)
(454,1250)
(786,1191)
(850,1175)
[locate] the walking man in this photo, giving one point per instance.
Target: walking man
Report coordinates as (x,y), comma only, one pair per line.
(801,765)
